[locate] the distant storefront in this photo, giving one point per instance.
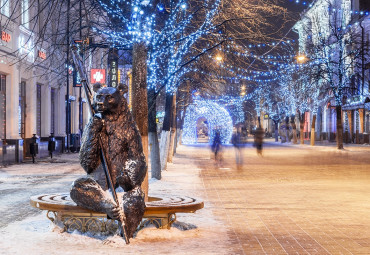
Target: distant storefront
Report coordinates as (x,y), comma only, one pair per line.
(356,119)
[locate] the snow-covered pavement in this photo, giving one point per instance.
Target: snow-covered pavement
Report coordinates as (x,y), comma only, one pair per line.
(26,230)
(19,182)
(296,199)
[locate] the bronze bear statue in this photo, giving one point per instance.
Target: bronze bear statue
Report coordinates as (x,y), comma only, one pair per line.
(125,158)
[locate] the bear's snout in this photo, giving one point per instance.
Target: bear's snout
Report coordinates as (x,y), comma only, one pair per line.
(100,106)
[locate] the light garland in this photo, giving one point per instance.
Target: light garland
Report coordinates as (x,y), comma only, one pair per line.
(310,5)
(139,24)
(235,106)
(174,42)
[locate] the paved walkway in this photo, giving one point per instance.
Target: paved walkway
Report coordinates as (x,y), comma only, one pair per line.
(293,200)
(296,199)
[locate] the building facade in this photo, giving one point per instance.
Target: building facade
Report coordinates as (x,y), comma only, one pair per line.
(32,84)
(316,23)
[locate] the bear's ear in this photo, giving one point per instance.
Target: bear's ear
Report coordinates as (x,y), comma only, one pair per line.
(122,88)
(96,87)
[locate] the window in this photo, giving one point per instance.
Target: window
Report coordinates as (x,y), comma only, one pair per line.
(22,109)
(52,111)
(357,121)
(2,106)
(346,122)
(364,5)
(25,13)
(38,111)
(367,122)
(4,7)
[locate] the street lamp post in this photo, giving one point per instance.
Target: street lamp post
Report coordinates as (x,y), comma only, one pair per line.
(219,60)
(68,102)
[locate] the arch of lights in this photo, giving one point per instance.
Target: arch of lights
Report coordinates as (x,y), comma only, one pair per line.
(234,105)
(216,116)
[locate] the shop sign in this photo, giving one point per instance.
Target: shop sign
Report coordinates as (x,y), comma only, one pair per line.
(113,67)
(97,76)
(41,54)
(113,74)
(5,36)
(6,39)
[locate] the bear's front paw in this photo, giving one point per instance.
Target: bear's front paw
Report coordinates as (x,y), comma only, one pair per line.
(98,122)
(115,213)
(124,181)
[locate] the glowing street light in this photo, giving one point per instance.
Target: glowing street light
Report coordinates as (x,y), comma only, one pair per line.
(242,90)
(301,58)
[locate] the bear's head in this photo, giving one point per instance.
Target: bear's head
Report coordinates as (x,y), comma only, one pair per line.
(109,100)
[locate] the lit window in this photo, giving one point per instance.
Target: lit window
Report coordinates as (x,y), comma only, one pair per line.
(4,7)
(25,12)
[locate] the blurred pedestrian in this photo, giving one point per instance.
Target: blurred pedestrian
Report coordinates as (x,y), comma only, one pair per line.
(282,132)
(217,146)
(237,143)
(258,140)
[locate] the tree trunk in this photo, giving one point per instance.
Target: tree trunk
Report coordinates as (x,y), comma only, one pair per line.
(313,125)
(259,121)
(171,149)
(178,131)
(176,141)
(181,125)
(139,102)
(349,113)
(301,127)
(287,129)
(155,162)
(276,130)
(294,126)
(339,127)
(165,135)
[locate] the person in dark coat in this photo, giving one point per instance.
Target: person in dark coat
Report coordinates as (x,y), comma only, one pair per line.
(216,146)
(237,143)
(258,140)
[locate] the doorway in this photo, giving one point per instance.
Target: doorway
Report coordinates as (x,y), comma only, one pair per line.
(22,110)
(202,130)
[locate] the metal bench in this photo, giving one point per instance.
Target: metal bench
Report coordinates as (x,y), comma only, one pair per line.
(159,211)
